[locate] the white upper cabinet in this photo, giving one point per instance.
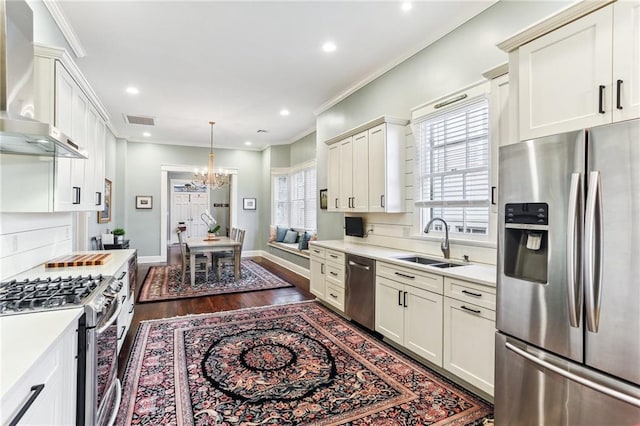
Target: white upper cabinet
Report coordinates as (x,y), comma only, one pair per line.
(366,167)
(584,73)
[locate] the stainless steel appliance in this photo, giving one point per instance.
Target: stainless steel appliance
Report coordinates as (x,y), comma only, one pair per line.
(98,395)
(360,290)
(568,345)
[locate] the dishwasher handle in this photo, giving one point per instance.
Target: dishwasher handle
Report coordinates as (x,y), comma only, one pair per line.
(359,265)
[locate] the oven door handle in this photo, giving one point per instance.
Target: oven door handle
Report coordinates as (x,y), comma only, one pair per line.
(116,405)
(111,320)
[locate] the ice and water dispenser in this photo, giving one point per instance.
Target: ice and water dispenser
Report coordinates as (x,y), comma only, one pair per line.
(526,240)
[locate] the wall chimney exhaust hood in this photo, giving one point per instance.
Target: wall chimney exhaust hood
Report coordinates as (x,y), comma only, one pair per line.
(20,133)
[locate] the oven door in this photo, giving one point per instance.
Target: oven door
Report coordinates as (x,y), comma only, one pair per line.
(105,368)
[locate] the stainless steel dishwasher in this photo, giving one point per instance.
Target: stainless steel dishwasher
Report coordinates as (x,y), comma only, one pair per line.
(360,290)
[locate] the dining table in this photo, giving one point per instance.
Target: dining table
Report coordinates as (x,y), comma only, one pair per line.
(197,245)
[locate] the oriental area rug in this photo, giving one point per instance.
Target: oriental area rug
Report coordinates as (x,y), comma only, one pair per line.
(163,282)
(282,365)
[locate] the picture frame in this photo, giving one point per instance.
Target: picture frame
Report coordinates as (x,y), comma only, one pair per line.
(144,202)
(249,203)
(323,199)
(104,216)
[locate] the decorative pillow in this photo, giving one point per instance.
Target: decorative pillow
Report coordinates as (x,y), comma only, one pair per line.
(304,241)
(281,232)
(291,237)
(272,234)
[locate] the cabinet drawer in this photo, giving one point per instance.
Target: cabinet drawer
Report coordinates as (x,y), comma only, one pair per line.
(412,277)
(335,296)
(334,256)
(335,275)
(317,252)
(466,291)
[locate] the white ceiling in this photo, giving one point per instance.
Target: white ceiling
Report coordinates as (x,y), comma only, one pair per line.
(239,63)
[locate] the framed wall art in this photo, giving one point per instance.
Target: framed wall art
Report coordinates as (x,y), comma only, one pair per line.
(249,203)
(323,199)
(144,202)
(104,216)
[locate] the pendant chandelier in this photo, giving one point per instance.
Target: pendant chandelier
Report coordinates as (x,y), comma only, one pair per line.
(209,177)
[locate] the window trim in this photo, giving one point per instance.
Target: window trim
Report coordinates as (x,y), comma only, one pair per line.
(289,172)
(429,111)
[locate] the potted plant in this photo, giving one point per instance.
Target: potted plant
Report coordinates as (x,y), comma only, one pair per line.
(212,232)
(119,233)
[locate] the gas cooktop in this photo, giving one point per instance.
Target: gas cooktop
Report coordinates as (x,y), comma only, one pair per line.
(49,293)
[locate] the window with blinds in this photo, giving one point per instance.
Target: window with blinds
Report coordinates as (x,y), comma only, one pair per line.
(294,198)
(453,168)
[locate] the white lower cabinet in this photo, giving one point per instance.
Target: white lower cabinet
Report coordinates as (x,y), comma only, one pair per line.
(126,298)
(50,384)
(411,317)
(469,333)
(327,276)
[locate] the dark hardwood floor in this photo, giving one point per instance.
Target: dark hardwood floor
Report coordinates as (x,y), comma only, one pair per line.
(223,302)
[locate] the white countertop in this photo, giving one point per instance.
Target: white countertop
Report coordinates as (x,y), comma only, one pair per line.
(25,338)
(475,272)
(118,258)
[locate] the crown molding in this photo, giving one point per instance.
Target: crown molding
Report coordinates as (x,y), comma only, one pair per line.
(302,134)
(546,25)
(496,71)
(64,26)
(368,125)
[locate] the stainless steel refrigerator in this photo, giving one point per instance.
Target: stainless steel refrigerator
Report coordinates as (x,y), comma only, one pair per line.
(568,315)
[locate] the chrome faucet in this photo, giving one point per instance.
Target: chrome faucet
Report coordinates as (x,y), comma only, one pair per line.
(445,244)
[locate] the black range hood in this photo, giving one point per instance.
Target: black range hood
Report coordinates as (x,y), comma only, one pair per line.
(20,133)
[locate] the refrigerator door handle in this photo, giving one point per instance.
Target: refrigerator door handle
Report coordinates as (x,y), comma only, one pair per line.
(574,377)
(593,252)
(574,252)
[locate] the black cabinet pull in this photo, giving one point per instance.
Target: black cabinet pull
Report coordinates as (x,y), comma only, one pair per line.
(399,297)
(132,308)
(411,277)
(601,99)
(470,293)
(76,195)
(98,198)
(336,203)
(470,310)
(122,332)
(334,256)
(493,196)
(333,295)
(382,201)
(36,389)
(333,273)
(404,303)
(618,94)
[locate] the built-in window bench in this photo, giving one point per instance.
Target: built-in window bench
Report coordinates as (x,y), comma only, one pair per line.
(291,248)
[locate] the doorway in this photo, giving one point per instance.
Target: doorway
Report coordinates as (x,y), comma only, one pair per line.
(188,203)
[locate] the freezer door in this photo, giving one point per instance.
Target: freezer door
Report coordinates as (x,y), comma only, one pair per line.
(537,388)
(537,310)
(613,298)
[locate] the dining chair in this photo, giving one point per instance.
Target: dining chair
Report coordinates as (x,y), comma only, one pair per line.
(227,258)
(202,260)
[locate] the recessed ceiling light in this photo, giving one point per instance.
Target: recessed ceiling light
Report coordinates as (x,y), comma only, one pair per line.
(247,143)
(284,112)
(132,90)
(146,134)
(329,47)
(406,6)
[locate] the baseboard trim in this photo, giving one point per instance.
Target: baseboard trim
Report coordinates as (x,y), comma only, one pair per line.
(284,263)
(151,259)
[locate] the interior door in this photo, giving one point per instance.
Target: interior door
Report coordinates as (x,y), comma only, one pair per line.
(180,212)
(198,204)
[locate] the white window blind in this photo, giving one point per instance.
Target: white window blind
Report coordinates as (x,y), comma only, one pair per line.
(280,200)
(453,167)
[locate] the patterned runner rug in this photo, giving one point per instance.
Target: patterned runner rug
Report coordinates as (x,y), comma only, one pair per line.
(284,365)
(163,282)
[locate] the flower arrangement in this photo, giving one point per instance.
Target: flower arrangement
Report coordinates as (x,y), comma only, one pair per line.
(213,229)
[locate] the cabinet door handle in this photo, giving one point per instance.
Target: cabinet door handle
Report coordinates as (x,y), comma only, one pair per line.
(470,310)
(399,297)
(336,203)
(382,201)
(333,273)
(333,295)
(76,195)
(619,94)
(334,256)
(36,389)
(470,293)
(132,308)
(601,99)
(123,328)
(98,198)
(411,277)
(493,196)
(404,302)
(322,268)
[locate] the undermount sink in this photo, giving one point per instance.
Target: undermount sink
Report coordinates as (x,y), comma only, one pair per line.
(427,261)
